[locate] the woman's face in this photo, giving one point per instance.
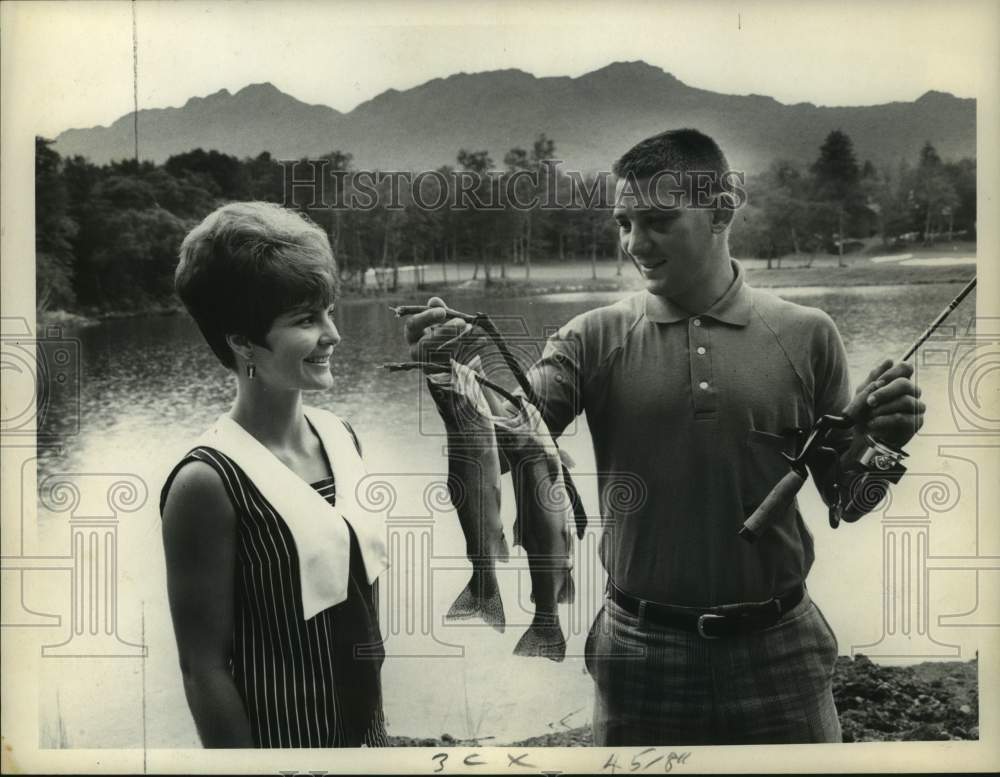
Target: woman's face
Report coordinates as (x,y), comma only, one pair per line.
(299,345)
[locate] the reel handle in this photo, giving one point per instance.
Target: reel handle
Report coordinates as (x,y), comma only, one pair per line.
(774,504)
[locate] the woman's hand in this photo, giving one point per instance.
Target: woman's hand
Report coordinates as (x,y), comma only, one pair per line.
(200,540)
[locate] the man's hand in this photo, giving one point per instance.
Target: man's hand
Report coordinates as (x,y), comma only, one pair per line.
(429,333)
(892,411)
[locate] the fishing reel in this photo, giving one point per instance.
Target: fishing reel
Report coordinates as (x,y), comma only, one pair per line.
(879,457)
(863,484)
(856,488)
(877,466)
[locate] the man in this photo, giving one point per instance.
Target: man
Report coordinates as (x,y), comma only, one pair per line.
(692,389)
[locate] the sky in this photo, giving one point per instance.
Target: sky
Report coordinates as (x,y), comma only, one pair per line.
(78,55)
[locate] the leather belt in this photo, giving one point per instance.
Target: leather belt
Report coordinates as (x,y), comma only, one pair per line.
(711,623)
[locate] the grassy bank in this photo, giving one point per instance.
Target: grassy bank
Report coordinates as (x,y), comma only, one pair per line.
(859,275)
(577,276)
(932,701)
(856,274)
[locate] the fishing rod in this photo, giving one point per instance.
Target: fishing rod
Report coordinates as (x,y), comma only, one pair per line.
(485,323)
(878,457)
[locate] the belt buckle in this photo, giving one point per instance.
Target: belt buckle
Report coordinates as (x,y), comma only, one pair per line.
(701,624)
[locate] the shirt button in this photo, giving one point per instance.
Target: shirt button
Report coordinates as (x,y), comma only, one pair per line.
(701,350)
(696,321)
(703,385)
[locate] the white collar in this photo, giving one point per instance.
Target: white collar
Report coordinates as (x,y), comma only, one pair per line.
(322,540)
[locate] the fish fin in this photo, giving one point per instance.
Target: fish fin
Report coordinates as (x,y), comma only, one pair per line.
(567,591)
(542,640)
(502,550)
(469,605)
(579,513)
(567,460)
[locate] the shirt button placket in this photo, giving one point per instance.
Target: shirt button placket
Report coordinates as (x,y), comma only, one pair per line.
(701,369)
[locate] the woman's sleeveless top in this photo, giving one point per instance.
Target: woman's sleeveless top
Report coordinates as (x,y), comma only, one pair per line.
(314,683)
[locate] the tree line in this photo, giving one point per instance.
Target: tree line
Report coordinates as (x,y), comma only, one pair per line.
(836,204)
(107,236)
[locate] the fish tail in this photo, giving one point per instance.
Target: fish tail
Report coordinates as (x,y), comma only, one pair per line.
(542,640)
(471,604)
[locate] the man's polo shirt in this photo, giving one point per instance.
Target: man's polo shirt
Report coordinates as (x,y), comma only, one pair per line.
(688,416)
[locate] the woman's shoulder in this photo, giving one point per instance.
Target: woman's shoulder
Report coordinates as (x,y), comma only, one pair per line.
(198,516)
(201,480)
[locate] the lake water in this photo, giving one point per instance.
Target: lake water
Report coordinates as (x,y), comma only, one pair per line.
(150,385)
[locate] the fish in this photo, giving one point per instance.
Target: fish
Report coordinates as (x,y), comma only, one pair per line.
(545,515)
(486,324)
(474,488)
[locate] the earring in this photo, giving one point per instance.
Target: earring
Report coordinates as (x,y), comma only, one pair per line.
(251,369)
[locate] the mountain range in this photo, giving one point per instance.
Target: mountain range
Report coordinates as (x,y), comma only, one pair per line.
(593,118)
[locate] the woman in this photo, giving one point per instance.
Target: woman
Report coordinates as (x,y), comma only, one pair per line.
(271,564)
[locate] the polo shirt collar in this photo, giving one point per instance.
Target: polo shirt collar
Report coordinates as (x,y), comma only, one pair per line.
(733,307)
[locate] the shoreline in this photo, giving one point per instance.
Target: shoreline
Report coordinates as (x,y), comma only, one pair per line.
(855,274)
(930,701)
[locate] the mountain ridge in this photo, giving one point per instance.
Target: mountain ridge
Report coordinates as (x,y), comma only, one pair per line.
(424,126)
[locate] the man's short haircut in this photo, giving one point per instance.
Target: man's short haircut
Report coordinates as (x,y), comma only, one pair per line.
(248,263)
(679,152)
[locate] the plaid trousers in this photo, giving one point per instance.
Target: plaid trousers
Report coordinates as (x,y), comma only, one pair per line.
(656,685)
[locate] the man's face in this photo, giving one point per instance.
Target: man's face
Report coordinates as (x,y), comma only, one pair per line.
(670,246)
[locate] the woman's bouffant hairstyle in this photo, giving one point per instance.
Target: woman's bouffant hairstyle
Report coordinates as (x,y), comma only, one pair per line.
(248,263)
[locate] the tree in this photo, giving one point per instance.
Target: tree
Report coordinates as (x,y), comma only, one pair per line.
(337,165)
(589,217)
(933,191)
(836,179)
(265,178)
(962,175)
(135,266)
(543,150)
(226,171)
(782,194)
(479,221)
(188,196)
(517,160)
(751,235)
(54,231)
